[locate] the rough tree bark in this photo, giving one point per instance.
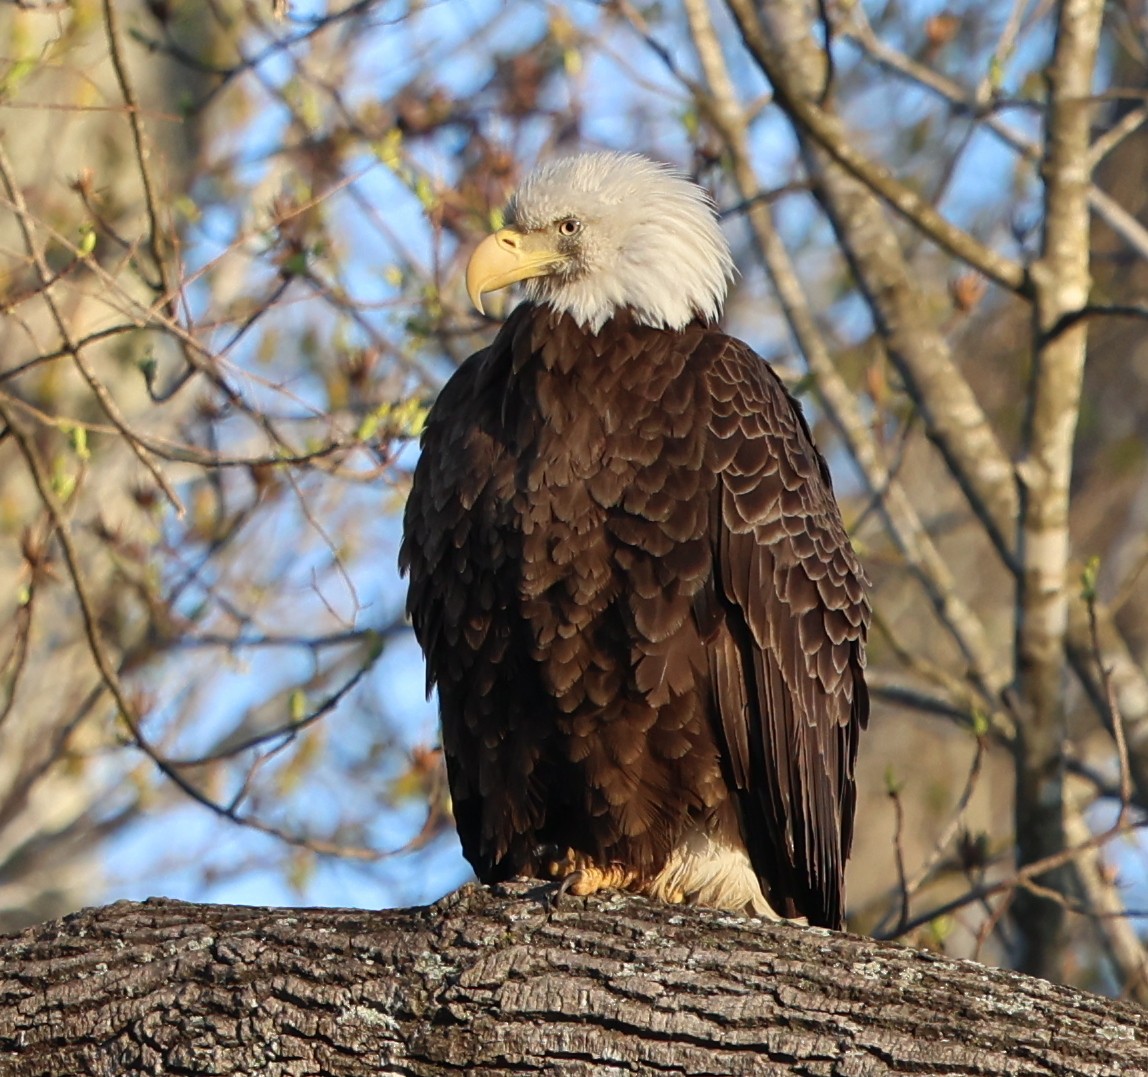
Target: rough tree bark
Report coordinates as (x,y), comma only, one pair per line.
(498,982)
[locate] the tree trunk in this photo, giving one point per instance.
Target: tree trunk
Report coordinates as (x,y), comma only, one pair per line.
(496,981)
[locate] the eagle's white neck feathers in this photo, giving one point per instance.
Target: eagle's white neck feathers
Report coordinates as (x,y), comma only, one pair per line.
(649,242)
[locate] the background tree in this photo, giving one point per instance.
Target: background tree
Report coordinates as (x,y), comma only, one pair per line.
(232,249)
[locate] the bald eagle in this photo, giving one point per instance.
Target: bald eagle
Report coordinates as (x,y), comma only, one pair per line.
(628,571)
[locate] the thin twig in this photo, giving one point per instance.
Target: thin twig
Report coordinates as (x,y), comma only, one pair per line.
(1115,718)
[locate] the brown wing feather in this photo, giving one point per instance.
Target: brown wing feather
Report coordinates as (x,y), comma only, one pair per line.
(788,656)
(461,569)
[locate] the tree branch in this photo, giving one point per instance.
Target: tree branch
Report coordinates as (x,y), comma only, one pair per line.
(793,93)
(498,981)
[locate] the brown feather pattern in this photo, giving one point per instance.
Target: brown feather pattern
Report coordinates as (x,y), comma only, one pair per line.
(635,594)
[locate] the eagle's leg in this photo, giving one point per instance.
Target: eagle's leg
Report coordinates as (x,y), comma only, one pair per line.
(580,876)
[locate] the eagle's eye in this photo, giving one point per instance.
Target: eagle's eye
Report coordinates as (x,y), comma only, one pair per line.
(569,227)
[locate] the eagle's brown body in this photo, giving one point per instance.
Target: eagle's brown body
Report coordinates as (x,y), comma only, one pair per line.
(645,620)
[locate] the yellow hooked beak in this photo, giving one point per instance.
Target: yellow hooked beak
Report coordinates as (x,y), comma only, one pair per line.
(506,257)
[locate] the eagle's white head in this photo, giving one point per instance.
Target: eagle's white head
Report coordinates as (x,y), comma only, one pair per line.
(594,234)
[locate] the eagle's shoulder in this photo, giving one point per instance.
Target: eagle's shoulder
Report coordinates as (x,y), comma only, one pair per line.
(778,482)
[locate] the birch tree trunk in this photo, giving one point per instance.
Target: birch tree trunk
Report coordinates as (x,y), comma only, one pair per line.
(1060,283)
(498,982)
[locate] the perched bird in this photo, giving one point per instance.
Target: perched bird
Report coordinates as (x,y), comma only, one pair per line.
(628,571)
